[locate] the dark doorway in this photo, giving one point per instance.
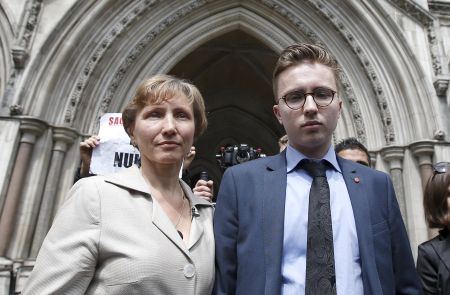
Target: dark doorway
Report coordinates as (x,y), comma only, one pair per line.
(234,74)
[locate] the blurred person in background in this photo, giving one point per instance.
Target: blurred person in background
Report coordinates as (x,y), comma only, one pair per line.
(351,149)
(433,261)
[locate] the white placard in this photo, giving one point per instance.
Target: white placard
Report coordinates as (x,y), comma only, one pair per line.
(115,151)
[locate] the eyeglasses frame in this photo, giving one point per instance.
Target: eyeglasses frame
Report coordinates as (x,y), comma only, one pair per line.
(305,95)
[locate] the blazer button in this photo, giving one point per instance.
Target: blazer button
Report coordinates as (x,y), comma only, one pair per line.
(189,271)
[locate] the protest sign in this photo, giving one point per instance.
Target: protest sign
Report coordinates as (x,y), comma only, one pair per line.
(115,151)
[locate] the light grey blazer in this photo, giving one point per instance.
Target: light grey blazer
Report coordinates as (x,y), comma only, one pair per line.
(110,237)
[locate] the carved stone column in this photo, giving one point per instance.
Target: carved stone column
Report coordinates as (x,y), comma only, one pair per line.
(394,156)
(423,151)
(30,128)
(62,139)
(6,274)
(22,271)
(373,159)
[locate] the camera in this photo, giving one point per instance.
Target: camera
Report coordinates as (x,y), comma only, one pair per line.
(236,154)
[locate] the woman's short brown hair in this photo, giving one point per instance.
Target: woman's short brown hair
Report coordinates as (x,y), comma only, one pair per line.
(158,89)
(435,200)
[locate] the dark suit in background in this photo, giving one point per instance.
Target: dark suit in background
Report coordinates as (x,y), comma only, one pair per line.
(433,264)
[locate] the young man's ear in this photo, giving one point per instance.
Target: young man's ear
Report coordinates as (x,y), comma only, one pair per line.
(276,111)
(340,106)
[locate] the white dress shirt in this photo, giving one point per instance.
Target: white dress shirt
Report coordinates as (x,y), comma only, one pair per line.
(345,239)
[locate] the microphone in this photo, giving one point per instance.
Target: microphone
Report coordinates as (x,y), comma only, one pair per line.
(194,212)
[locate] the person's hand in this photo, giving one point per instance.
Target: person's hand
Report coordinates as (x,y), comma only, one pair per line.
(204,189)
(86,148)
(189,158)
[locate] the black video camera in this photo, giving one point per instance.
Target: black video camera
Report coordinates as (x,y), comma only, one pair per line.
(237,154)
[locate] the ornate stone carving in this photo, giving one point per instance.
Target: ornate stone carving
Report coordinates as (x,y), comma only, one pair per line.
(356,112)
(140,47)
(31,22)
(20,55)
(103,46)
(9,89)
(439,135)
(20,50)
(353,42)
(434,50)
(293,19)
(349,94)
(441,86)
(15,110)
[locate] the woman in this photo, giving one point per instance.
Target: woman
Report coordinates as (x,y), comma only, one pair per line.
(433,261)
(140,231)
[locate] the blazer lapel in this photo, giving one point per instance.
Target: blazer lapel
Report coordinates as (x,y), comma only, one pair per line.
(442,248)
(355,182)
(131,178)
(274,196)
(197,227)
(163,223)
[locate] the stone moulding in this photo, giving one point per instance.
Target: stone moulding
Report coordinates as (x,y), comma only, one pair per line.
(427,20)
(441,86)
(97,54)
(139,48)
(414,10)
(348,90)
(27,31)
(347,35)
(150,36)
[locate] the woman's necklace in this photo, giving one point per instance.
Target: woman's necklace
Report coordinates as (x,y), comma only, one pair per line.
(179,217)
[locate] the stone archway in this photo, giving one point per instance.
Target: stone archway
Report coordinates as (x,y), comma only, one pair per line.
(233,72)
(77,73)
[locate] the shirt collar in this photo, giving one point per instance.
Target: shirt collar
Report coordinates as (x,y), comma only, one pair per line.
(293,157)
(131,178)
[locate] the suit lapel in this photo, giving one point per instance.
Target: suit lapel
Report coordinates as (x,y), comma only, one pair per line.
(131,178)
(163,223)
(356,187)
(197,227)
(442,248)
(274,196)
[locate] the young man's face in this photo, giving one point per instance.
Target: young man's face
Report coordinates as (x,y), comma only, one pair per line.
(309,128)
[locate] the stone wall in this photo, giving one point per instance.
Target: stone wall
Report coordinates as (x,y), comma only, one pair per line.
(65,63)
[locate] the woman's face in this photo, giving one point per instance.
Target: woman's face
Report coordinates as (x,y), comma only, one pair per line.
(164,132)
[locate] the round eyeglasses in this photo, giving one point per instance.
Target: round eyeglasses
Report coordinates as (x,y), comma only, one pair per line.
(295,100)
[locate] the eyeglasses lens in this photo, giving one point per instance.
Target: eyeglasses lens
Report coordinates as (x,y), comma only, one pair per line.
(322,97)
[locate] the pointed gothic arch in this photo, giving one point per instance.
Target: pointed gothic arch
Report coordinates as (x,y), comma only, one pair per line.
(377,78)
(80,72)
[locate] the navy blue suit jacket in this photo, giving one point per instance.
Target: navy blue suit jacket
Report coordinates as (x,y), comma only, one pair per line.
(249,222)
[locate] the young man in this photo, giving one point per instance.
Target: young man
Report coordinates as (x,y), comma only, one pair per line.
(351,149)
(274,232)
